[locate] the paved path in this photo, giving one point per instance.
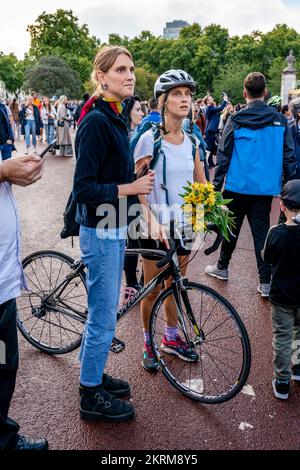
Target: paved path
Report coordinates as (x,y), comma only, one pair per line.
(46,398)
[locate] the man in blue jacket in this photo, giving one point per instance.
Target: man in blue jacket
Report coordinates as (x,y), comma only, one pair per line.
(255,151)
(6,134)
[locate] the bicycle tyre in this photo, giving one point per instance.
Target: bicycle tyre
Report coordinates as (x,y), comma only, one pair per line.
(199,395)
(37,343)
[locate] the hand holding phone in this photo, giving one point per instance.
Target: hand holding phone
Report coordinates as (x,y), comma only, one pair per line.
(46,150)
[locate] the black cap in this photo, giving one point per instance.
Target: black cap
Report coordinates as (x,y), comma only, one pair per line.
(291,194)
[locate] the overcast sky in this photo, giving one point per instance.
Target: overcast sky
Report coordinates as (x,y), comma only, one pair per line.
(130,17)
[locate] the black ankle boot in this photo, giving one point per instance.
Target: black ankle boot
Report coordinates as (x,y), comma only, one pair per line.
(98,405)
(116,387)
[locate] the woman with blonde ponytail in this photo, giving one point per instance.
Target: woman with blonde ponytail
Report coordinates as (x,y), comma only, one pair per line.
(103,184)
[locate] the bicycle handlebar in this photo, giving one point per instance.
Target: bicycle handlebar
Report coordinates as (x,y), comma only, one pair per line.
(166,259)
(174,244)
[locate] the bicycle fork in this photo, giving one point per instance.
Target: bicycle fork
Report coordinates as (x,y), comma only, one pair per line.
(179,290)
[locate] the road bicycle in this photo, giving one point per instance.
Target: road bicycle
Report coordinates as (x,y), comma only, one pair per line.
(52,314)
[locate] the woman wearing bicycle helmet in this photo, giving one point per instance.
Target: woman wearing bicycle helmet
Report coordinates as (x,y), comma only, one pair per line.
(174,167)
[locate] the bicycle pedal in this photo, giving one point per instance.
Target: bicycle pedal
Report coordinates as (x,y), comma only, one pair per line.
(117,346)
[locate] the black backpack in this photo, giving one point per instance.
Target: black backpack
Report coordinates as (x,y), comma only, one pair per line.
(71,227)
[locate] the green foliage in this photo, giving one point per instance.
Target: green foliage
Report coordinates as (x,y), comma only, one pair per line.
(59,34)
(230,80)
(216,61)
(11,72)
(144,83)
(53,76)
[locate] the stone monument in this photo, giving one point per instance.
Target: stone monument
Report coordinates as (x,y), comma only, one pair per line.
(289,78)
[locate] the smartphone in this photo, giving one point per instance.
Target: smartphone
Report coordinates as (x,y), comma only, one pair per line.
(49,147)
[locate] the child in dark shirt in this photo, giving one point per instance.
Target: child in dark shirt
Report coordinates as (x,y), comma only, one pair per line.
(282,251)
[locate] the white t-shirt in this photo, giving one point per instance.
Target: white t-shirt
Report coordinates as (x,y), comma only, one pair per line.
(180,169)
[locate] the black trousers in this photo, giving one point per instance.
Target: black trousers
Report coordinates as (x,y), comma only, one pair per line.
(257,210)
(8,372)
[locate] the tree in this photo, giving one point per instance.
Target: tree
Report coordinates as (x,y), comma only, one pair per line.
(231,81)
(191,32)
(53,76)
(144,83)
(11,72)
(59,34)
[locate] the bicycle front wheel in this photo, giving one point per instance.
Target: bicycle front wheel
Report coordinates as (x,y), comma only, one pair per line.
(52,313)
(212,327)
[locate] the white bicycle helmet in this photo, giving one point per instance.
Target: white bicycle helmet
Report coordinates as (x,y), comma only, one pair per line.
(172,79)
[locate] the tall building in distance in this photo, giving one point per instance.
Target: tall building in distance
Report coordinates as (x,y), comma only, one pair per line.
(172,29)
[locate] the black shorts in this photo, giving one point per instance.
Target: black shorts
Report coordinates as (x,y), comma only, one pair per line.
(149,244)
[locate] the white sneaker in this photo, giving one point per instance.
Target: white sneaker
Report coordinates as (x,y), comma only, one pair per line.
(264,290)
(214,271)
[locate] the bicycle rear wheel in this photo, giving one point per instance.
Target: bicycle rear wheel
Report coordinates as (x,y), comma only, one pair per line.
(219,338)
(52,324)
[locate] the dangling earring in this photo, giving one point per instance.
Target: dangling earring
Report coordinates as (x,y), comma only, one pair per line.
(104,86)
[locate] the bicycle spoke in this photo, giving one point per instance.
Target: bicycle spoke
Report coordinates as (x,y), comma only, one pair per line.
(73,326)
(212,311)
(214,329)
(219,360)
(55,285)
(74,287)
(27,276)
(42,331)
(34,325)
(223,366)
(220,339)
(56,327)
(224,349)
(50,287)
(41,289)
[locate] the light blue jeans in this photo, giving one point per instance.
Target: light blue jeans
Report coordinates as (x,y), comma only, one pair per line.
(30,128)
(49,132)
(104,259)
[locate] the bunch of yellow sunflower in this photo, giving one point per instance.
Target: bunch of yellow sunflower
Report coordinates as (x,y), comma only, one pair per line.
(203,205)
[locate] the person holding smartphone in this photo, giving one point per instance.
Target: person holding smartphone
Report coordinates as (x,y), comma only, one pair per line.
(21,171)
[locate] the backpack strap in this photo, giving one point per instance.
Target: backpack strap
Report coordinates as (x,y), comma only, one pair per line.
(192,138)
(157,154)
(156,145)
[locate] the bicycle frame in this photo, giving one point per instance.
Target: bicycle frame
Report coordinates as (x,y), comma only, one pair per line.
(171,270)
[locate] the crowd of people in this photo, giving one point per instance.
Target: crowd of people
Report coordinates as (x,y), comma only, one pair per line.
(43,118)
(126,151)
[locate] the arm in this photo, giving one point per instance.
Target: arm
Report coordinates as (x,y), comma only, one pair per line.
(224,154)
(267,252)
(289,156)
(91,147)
(218,109)
(199,174)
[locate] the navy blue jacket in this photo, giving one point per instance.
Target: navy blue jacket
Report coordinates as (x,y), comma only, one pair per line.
(37,119)
(9,131)
(255,151)
(296,136)
(103,162)
(213,117)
